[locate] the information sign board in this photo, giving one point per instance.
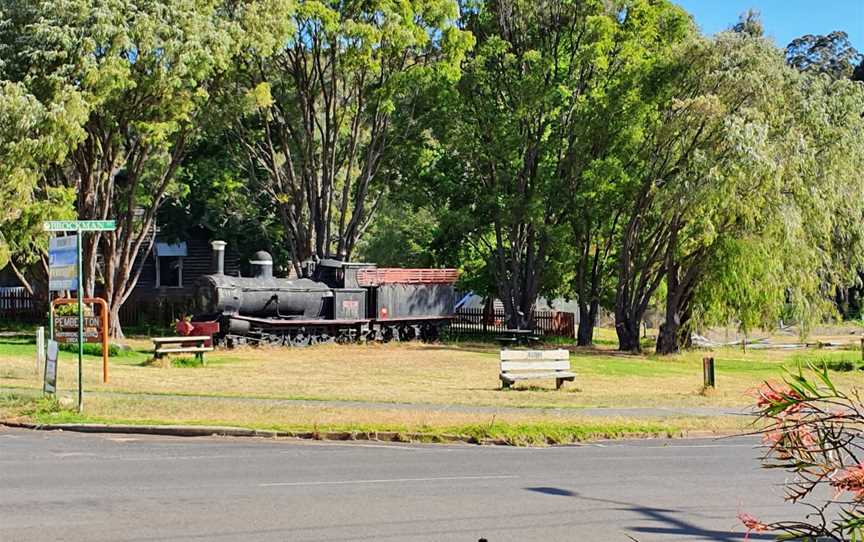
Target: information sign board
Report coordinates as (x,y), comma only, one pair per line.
(63,263)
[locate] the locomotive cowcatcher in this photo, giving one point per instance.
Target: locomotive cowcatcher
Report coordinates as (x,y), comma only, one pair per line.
(333,301)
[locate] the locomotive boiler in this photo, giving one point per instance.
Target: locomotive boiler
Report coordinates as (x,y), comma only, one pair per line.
(333,301)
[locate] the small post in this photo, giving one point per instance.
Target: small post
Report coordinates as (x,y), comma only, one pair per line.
(862,348)
(708,372)
(40,348)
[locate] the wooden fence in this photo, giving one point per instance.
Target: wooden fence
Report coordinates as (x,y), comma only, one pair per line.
(546,323)
(17,304)
(159,312)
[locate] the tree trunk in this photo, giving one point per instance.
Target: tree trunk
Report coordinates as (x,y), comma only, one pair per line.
(675,329)
(627,329)
(587,319)
(114,322)
(667,338)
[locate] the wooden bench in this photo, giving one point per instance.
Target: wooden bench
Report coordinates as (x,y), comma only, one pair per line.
(535,364)
(181,345)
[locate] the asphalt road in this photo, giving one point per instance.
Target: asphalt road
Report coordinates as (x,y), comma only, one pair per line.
(71,486)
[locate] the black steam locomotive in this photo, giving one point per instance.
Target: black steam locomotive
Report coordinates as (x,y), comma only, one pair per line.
(334,301)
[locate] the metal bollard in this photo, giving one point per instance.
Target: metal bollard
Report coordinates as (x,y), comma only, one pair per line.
(708,372)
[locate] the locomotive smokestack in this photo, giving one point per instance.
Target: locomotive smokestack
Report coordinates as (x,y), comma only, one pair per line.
(262,265)
(218,257)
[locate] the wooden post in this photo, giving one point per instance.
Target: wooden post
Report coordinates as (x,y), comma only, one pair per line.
(862,348)
(708,372)
(40,348)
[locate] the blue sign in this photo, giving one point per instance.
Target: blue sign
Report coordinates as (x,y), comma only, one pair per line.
(63,263)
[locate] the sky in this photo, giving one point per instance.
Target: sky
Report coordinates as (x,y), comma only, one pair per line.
(784,20)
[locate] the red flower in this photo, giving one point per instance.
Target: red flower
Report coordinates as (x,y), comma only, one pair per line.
(806,437)
(852,479)
(752,524)
(772,438)
(770,397)
(776,440)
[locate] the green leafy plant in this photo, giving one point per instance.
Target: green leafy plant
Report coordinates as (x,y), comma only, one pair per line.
(91,349)
(813,430)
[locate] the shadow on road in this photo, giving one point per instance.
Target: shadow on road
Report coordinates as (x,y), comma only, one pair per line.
(669,525)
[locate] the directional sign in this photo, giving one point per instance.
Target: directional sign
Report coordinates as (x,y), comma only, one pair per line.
(63,263)
(80,225)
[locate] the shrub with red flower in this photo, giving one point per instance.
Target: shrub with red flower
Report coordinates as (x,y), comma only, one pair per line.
(814,431)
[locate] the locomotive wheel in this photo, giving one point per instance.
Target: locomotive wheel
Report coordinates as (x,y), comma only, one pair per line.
(323,338)
(301,339)
(346,336)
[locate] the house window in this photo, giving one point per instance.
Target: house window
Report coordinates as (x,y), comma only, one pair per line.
(170,272)
(169,265)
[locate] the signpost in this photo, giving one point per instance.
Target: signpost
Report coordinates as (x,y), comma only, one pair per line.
(63,263)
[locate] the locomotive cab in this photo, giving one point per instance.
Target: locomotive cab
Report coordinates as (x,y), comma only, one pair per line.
(350,300)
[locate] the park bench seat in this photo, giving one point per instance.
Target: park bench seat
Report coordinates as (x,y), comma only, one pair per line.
(181,345)
(534,365)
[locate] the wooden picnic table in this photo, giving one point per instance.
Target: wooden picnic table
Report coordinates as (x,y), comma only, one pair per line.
(516,337)
(181,345)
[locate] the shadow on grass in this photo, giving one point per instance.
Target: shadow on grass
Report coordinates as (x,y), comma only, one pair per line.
(523,388)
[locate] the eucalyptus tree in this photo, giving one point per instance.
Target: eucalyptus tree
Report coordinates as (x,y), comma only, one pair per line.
(141,71)
(832,54)
(603,134)
(528,162)
(324,103)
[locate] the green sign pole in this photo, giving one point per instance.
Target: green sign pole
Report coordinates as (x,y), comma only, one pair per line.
(79,226)
(80,328)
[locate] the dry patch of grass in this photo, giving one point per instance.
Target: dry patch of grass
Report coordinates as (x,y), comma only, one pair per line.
(466,374)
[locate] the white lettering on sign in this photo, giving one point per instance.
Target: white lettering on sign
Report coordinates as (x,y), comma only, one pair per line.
(80,225)
(71,322)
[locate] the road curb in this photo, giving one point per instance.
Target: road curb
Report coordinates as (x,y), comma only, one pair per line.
(373,436)
(211,431)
